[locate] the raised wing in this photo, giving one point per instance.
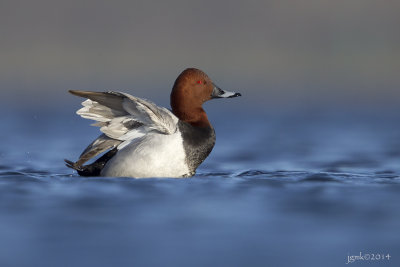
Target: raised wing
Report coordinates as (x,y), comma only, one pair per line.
(122,118)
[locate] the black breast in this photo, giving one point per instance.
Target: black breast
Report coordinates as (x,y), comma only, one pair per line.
(197,142)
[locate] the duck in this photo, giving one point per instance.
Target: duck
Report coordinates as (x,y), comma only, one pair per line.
(142,140)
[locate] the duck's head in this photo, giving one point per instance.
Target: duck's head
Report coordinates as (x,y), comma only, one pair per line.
(191,89)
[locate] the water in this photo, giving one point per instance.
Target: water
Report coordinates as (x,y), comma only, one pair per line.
(280,189)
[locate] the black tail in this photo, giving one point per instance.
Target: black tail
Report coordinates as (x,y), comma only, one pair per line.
(93,169)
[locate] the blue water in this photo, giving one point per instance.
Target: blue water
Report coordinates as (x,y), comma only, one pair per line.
(294,188)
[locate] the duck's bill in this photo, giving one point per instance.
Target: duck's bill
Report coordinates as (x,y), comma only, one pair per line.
(219,93)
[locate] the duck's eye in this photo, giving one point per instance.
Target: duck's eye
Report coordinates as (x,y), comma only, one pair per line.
(199,82)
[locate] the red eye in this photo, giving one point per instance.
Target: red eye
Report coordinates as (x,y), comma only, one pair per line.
(199,82)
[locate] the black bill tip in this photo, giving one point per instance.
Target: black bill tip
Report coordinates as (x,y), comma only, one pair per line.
(235,95)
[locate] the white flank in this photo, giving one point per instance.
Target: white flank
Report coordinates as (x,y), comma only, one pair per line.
(154,155)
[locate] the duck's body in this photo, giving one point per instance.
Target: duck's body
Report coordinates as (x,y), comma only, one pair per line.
(144,140)
(159,155)
(154,155)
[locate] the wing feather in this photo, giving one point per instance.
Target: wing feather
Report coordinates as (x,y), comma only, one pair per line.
(98,146)
(122,118)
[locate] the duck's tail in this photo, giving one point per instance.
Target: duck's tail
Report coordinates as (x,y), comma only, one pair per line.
(87,170)
(93,169)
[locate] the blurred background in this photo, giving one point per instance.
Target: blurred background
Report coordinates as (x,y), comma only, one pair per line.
(277,53)
(305,171)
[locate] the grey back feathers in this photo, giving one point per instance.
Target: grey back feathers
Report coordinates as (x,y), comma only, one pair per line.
(98,146)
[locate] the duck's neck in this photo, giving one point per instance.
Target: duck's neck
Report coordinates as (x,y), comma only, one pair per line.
(194,116)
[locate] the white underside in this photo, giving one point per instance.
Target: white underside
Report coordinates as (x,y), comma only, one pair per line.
(154,155)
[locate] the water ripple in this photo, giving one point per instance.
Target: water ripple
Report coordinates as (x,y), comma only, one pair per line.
(281,175)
